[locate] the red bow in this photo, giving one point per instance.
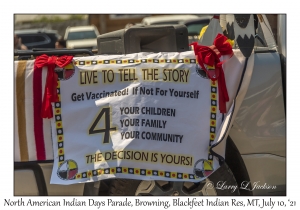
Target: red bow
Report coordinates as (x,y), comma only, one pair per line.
(211,57)
(50,94)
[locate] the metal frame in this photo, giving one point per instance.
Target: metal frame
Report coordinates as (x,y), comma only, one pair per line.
(38,173)
(40,51)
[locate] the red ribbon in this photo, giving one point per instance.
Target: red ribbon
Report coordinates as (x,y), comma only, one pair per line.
(50,94)
(211,57)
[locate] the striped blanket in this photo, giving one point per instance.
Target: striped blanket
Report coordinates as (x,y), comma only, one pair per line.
(32,133)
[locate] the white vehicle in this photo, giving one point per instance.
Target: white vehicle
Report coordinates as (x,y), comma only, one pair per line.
(81,37)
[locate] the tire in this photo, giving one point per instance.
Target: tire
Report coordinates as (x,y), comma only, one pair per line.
(215,184)
(237,166)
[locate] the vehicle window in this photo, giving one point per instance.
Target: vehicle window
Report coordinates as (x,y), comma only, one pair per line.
(32,38)
(260,40)
(54,36)
(194,29)
(81,35)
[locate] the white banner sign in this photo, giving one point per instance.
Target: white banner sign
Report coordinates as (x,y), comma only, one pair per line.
(140,116)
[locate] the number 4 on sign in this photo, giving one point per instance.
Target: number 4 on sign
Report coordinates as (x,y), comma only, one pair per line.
(107,125)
